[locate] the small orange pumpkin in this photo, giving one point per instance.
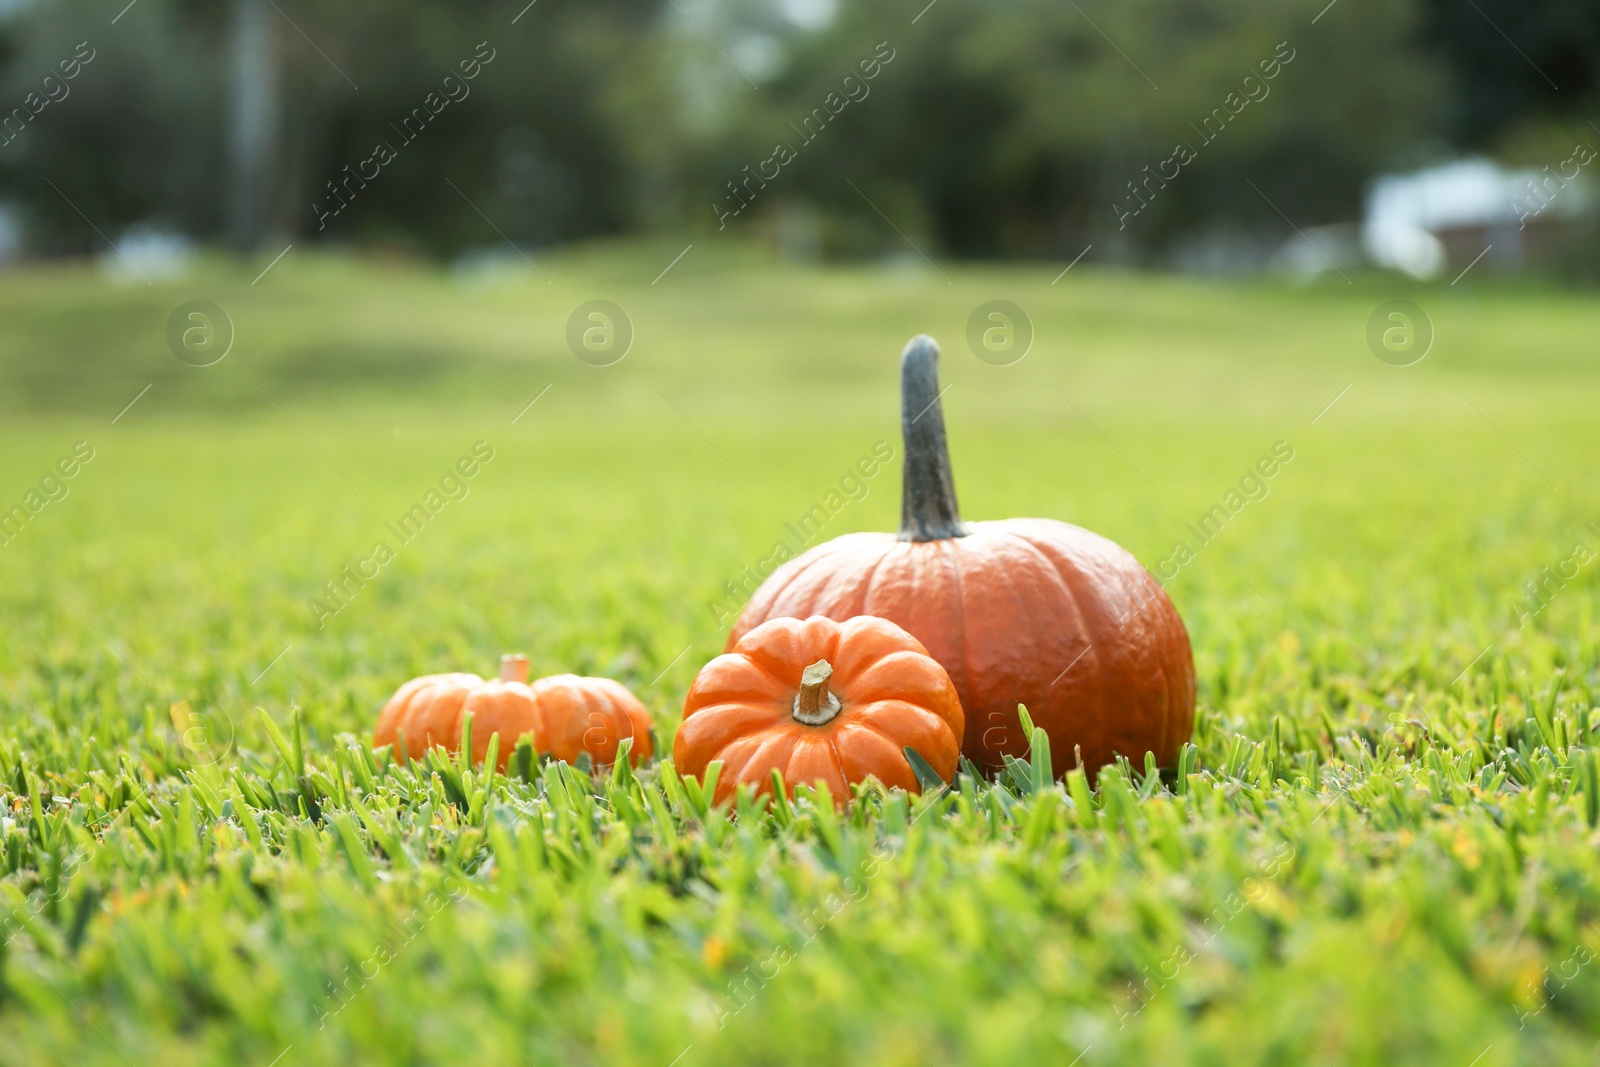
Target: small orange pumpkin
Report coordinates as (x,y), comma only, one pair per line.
(820,701)
(592,715)
(567,715)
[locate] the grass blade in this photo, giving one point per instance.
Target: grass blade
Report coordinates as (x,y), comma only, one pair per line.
(927,777)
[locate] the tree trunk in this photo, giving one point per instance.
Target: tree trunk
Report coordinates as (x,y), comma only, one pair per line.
(253,136)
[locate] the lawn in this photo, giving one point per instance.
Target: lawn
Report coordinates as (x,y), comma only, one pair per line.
(1386,853)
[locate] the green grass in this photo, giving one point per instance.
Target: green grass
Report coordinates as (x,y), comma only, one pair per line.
(1389,835)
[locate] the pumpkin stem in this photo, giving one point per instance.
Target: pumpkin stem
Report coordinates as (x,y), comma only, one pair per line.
(814,705)
(928,510)
(514,668)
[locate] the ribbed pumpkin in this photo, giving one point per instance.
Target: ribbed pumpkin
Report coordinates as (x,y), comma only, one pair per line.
(593,715)
(567,715)
(820,701)
(1019,611)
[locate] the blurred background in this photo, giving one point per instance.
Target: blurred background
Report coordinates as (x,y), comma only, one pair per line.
(1182,135)
(270,268)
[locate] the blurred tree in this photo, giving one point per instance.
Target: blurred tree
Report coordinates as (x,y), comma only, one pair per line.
(254,118)
(1028,126)
(135,135)
(1515,61)
(183,91)
(998,127)
(521,148)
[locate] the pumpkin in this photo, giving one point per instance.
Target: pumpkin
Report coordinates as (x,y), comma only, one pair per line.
(820,701)
(1020,611)
(592,715)
(566,715)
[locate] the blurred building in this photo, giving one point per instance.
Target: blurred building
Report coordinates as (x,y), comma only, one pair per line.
(1450,216)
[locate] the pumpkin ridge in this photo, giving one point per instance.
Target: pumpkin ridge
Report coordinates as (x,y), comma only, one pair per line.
(818,557)
(872,576)
(1064,590)
(1168,701)
(772,742)
(831,740)
(712,712)
(802,744)
(765,676)
(866,724)
(1064,580)
(961,627)
(779,680)
(839,592)
(1000,576)
(730,770)
(1066,572)
(869,722)
(827,550)
(456,695)
(1138,640)
(762,667)
(852,731)
(1161,668)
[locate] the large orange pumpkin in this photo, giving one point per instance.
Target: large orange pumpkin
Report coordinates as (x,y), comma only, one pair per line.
(820,701)
(567,715)
(1020,611)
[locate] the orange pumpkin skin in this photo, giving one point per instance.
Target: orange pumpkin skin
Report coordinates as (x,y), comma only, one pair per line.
(429,711)
(590,715)
(566,715)
(1022,611)
(744,708)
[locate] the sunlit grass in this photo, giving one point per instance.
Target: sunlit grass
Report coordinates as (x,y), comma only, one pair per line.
(1388,837)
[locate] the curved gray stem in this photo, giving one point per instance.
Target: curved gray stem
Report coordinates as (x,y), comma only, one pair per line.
(928,510)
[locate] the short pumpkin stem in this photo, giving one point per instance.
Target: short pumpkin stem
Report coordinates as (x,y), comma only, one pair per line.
(814,705)
(514,668)
(928,510)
